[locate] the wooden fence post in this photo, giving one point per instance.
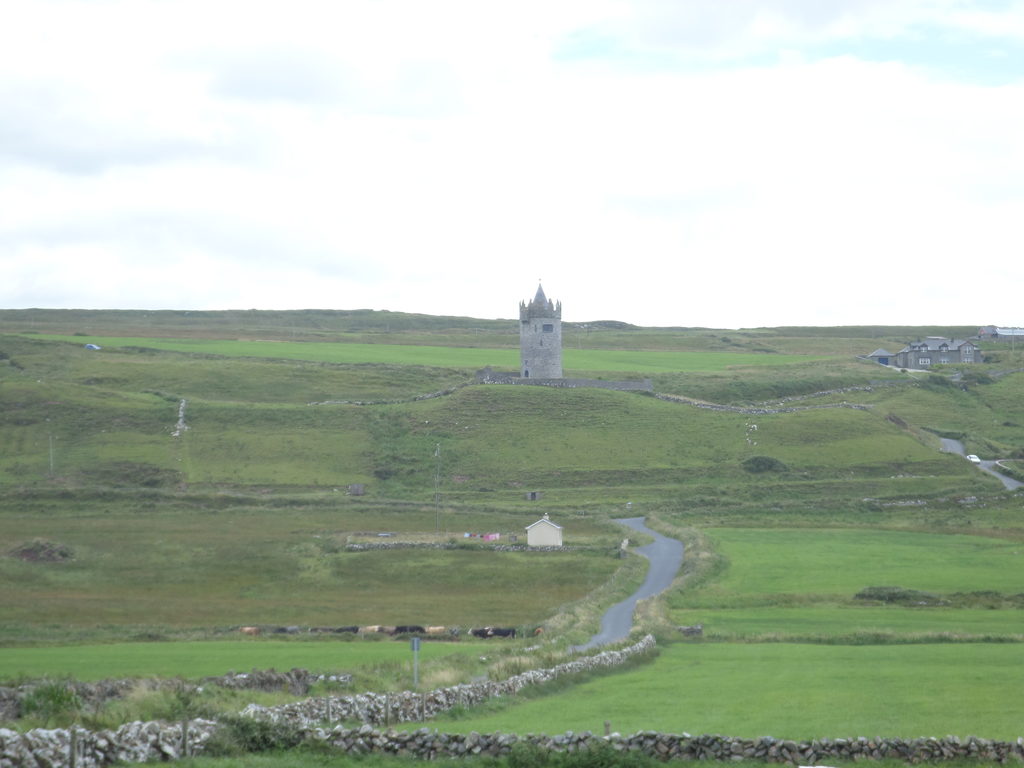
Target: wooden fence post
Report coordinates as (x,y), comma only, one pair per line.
(73,748)
(184,738)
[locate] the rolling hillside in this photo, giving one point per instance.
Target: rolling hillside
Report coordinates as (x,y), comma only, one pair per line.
(191,476)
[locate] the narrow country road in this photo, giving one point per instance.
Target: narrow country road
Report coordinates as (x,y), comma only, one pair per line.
(666,557)
(950,445)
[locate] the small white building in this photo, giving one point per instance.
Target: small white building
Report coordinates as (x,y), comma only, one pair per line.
(544,533)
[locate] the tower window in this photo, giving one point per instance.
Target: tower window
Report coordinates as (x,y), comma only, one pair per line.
(549,328)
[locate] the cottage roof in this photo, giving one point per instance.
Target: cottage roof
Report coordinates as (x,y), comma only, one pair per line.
(880,353)
(546,521)
(935,343)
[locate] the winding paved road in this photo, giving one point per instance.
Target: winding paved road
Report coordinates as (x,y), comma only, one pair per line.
(955,446)
(666,557)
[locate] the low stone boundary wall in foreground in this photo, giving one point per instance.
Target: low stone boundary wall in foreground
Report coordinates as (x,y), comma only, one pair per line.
(78,748)
(429,744)
(409,706)
(142,742)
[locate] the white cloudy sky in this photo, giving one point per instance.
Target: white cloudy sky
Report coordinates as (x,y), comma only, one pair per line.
(724,163)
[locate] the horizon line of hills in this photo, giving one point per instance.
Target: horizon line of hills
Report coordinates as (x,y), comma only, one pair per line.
(382,320)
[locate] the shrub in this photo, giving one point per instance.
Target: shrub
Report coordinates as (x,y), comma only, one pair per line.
(43,551)
(759,464)
(527,755)
(938,382)
(899,595)
(972,378)
(239,735)
(53,701)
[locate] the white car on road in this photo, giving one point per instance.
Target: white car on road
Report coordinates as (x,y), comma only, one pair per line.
(973,459)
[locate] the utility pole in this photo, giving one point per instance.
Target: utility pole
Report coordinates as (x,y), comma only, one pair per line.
(437,490)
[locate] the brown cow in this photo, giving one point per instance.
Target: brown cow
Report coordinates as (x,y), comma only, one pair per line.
(436,630)
(251,631)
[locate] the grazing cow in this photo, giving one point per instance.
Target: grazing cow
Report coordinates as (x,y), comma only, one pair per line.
(251,631)
(485,632)
(409,629)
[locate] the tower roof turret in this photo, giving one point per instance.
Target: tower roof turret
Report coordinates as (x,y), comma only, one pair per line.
(540,306)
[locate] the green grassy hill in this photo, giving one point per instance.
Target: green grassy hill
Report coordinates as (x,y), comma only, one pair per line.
(107,418)
(798,474)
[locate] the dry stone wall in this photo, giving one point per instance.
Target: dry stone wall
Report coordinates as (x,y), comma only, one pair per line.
(635,385)
(78,748)
(429,744)
(408,706)
(96,694)
(144,742)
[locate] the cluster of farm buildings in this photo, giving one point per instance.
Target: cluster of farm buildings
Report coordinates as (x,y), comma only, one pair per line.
(938,350)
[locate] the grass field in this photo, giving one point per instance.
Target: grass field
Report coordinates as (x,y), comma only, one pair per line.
(195,659)
(768,564)
(643,361)
(214,567)
(801,584)
(243,517)
(788,691)
(83,418)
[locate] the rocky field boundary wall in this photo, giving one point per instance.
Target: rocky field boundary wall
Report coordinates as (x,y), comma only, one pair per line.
(78,748)
(143,742)
(429,744)
(367,546)
(642,385)
(408,706)
(96,694)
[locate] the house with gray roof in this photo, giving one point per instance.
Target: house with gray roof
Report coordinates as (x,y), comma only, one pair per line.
(933,350)
(882,357)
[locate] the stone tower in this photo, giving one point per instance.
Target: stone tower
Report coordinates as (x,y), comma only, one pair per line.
(540,338)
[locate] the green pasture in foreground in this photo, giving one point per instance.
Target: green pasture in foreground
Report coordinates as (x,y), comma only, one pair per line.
(788,691)
(217,657)
(634,361)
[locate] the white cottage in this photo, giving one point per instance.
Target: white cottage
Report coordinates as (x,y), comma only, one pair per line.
(544,533)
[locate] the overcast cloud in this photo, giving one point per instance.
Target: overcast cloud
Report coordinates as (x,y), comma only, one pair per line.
(662,162)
